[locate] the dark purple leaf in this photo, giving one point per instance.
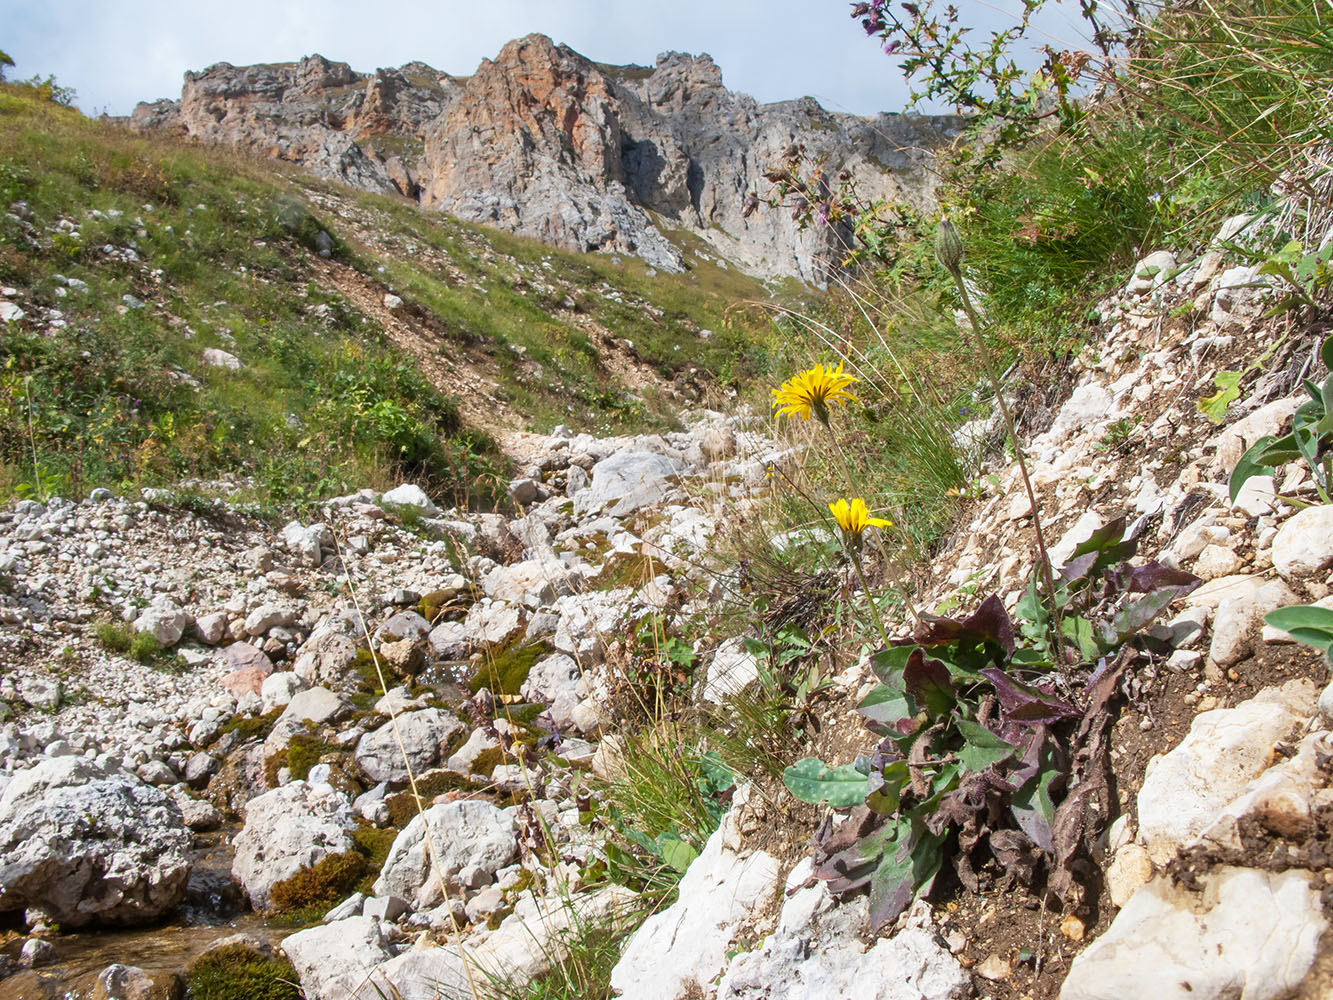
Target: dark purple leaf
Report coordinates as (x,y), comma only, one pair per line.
(928,681)
(1027,704)
(989,623)
(1153,576)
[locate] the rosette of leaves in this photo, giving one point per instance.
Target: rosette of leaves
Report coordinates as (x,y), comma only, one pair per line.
(994,740)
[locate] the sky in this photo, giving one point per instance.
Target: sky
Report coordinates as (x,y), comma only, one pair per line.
(115,53)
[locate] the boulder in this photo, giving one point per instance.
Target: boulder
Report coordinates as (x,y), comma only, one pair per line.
(627,481)
(164,621)
(287,830)
(412,497)
(1244,934)
(1184,791)
(81,845)
(326,659)
(464,833)
(345,948)
(427,736)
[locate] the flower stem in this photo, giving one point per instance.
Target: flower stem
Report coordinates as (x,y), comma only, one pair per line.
(986,363)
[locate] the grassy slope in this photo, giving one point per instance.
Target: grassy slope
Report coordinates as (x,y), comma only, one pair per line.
(220,251)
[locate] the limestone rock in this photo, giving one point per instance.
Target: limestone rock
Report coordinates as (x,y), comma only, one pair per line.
(818,951)
(82,845)
(730,670)
(627,481)
(687,942)
(286,830)
(1248,933)
(1184,791)
(346,948)
(1303,546)
(412,497)
(1238,616)
(426,736)
(464,833)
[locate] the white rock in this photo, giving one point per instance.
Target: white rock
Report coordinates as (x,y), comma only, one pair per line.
(351,947)
(1257,497)
(215,358)
(9,312)
(688,941)
(286,830)
(409,495)
(165,622)
(818,951)
(1233,442)
(464,833)
(1248,935)
(426,736)
(1151,272)
(1185,791)
(1237,617)
(80,845)
(731,669)
(392,302)
(627,481)
(1303,545)
(1217,560)
(279,688)
(1079,532)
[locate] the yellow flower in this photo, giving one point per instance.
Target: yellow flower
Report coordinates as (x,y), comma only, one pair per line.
(811,391)
(853,518)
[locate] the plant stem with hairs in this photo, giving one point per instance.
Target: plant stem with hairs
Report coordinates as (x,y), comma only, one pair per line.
(949,251)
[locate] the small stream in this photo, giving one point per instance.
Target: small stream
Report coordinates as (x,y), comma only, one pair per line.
(212,909)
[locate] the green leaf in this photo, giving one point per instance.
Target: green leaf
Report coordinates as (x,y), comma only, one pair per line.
(1305,623)
(1214,407)
(675,852)
(717,776)
(1326,351)
(982,747)
(811,780)
(885,707)
(1253,463)
(911,860)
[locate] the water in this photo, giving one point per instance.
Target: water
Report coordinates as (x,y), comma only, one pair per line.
(212,909)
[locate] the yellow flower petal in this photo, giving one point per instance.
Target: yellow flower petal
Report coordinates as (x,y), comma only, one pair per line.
(811,391)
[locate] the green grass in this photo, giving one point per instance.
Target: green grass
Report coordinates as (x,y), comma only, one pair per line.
(324,403)
(142,647)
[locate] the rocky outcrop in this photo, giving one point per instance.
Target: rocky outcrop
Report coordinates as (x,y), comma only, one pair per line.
(543,142)
(80,844)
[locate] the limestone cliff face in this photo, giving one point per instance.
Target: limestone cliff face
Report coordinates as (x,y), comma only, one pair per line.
(543,142)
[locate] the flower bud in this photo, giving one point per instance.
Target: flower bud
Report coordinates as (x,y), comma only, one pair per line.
(948,247)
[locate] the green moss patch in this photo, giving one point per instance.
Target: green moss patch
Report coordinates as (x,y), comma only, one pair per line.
(505,672)
(238,973)
(403,806)
(331,879)
(251,727)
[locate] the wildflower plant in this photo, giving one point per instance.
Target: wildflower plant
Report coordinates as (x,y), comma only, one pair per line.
(811,392)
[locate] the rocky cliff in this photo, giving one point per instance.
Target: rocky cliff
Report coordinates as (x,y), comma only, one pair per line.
(543,142)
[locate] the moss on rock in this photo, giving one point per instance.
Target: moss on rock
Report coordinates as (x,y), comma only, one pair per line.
(238,972)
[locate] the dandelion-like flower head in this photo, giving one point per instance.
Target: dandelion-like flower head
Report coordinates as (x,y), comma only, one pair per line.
(853,517)
(811,392)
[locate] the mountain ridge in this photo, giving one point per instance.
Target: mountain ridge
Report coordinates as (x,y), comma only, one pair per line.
(543,142)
